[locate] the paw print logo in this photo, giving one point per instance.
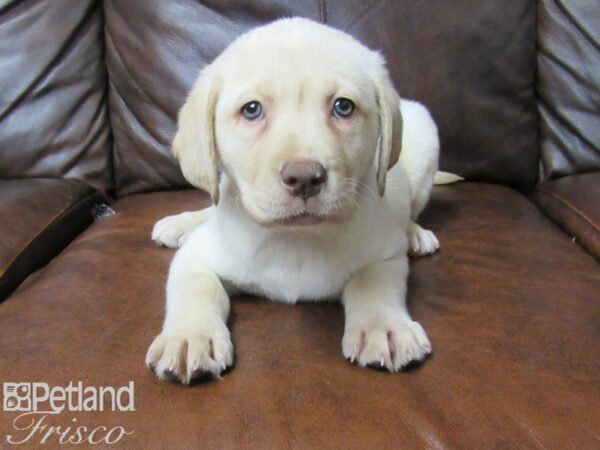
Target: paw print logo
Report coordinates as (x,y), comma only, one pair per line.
(17,396)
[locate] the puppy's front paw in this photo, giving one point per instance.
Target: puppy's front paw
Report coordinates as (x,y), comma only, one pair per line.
(185,356)
(386,344)
(421,241)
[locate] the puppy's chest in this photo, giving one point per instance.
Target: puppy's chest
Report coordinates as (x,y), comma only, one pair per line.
(292,266)
(293,271)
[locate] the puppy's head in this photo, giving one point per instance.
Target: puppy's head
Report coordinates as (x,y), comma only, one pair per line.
(300,116)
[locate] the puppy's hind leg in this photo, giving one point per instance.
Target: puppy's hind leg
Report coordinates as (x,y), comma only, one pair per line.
(419,159)
(421,241)
(172,231)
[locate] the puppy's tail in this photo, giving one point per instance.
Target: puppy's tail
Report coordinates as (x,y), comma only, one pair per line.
(446,178)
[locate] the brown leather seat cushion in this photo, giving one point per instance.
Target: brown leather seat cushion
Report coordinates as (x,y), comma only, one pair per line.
(510,304)
(39,217)
(574,203)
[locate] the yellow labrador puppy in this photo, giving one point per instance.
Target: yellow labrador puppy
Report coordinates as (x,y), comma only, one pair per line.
(317,171)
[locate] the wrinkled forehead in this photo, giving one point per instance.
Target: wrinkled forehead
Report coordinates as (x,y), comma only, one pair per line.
(281,68)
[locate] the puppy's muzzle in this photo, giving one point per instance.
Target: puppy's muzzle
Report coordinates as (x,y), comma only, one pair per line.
(303,178)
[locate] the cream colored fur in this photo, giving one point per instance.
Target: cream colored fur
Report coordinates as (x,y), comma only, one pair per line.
(380,166)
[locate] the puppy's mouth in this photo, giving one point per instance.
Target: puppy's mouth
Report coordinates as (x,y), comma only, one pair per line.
(305,218)
(302,217)
(296,212)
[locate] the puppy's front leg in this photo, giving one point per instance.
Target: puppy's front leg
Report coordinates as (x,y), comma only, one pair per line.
(379,331)
(195,339)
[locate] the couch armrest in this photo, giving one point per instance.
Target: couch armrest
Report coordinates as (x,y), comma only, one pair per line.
(39,218)
(573,203)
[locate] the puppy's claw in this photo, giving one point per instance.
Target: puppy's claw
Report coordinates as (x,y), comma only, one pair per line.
(183,357)
(353,358)
(387,346)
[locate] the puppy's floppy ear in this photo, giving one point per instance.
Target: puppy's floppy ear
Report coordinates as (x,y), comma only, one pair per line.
(194,144)
(390,122)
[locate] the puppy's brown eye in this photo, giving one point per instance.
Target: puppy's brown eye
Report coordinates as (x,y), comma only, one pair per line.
(343,108)
(252,110)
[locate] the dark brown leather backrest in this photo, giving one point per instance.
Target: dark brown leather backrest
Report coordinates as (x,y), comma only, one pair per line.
(154,52)
(471,62)
(569,87)
(53,115)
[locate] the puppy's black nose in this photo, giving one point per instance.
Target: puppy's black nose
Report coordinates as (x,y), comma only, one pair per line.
(303,178)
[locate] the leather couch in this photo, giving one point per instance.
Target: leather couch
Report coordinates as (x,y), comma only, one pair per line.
(89,93)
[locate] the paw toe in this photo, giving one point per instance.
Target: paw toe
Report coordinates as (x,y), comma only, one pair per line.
(376,351)
(184,358)
(411,343)
(351,344)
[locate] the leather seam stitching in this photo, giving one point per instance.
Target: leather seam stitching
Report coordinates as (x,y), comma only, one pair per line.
(581,214)
(323,11)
